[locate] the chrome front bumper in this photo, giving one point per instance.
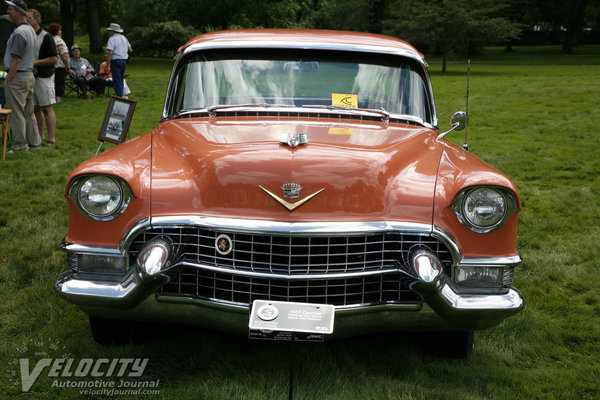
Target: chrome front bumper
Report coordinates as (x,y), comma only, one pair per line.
(442,308)
(439,305)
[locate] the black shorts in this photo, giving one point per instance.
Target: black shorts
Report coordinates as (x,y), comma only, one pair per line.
(59,81)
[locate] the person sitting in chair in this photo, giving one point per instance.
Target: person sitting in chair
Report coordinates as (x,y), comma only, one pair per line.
(83,74)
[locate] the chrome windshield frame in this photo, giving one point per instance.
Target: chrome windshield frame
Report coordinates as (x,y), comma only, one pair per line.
(325,46)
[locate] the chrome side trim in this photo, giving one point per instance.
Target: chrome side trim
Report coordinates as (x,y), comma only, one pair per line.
(83,249)
(491,261)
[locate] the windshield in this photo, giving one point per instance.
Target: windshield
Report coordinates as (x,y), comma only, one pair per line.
(318,79)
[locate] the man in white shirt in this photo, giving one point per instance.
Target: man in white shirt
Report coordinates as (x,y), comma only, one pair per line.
(117,53)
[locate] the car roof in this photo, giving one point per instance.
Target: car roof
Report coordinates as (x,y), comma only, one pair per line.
(303,39)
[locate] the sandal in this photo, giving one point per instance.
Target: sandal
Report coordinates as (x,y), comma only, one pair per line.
(51,143)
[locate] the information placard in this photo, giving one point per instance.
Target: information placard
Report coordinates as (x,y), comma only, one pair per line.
(292,317)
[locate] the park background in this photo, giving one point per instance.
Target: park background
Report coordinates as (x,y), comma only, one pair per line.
(533,114)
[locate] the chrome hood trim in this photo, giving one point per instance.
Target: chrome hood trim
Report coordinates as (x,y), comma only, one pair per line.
(290,228)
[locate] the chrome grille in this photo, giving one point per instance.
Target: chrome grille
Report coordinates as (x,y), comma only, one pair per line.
(212,285)
(297,255)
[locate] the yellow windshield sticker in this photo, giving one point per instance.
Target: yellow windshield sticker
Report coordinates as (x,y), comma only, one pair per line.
(341,131)
(344,100)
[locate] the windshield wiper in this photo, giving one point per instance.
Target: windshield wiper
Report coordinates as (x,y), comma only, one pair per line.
(385,116)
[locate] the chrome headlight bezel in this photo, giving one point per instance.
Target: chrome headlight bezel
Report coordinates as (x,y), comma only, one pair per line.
(122,192)
(506,196)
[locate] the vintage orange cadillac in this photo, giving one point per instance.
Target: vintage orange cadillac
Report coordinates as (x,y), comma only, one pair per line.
(301,167)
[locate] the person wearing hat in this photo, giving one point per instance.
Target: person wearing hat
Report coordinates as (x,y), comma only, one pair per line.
(19,83)
(84,74)
(117,53)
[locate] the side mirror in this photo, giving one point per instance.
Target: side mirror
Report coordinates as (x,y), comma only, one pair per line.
(458,122)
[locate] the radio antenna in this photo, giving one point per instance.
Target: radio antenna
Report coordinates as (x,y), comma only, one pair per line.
(465,145)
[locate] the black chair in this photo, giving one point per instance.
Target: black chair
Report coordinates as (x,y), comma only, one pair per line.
(72,86)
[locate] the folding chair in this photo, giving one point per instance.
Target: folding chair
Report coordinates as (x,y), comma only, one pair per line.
(71,86)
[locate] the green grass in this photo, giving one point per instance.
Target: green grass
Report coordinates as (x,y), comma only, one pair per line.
(535,121)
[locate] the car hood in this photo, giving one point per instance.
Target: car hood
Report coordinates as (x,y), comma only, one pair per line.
(236,168)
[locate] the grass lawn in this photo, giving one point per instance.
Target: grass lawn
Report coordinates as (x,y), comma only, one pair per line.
(534,115)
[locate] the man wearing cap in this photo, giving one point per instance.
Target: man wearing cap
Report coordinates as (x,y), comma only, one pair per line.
(18,62)
(117,49)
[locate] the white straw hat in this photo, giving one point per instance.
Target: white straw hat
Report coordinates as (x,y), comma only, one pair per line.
(115,27)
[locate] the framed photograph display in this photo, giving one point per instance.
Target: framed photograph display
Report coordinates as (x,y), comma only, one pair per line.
(117,120)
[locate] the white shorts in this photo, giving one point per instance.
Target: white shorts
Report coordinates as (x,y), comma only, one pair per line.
(43,92)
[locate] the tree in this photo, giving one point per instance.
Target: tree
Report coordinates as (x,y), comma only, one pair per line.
(523,13)
(351,15)
(94,28)
(68,12)
(446,26)
(575,21)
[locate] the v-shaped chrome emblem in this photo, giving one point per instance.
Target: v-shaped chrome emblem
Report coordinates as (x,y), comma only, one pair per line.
(291,206)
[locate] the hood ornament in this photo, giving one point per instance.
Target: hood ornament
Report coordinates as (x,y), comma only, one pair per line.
(294,141)
(291,191)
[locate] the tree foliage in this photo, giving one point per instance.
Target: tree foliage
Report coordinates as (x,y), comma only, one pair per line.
(161,38)
(447,26)
(444,26)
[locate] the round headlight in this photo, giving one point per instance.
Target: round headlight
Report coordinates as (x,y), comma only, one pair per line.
(484,207)
(100,196)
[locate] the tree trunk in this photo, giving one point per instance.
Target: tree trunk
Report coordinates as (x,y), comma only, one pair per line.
(574,26)
(68,11)
(94,28)
(377,13)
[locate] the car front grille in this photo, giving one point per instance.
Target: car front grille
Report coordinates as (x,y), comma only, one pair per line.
(227,287)
(297,255)
(301,268)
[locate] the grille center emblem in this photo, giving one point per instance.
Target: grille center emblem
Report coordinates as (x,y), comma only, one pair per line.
(223,244)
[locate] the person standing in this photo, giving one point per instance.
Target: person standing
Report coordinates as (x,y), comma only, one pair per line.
(62,66)
(19,83)
(43,92)
(117,49)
